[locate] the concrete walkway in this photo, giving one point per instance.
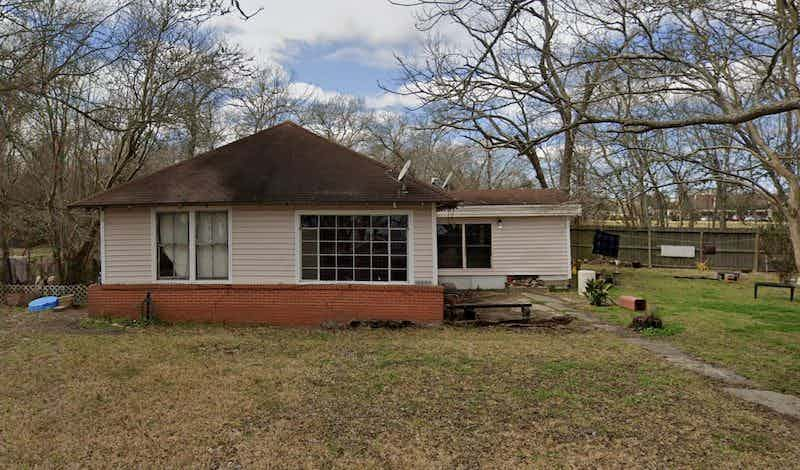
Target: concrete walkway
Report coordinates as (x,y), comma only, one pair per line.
(735,384)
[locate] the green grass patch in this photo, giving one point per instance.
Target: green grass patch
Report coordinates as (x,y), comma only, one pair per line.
(721,322)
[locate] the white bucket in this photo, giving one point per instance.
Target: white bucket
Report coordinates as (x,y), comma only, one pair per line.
(584,275)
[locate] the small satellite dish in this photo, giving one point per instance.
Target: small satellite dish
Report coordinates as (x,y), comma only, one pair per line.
(404,170)
(447,180)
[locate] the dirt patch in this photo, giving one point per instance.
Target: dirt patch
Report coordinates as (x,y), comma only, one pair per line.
(71,321)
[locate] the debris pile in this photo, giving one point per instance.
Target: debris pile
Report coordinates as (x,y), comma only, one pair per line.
(643,322)
(551,322)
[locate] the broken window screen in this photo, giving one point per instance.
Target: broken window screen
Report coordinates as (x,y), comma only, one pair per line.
(173,245)
(211,245)
(449,246)
(354,248)
(479,245)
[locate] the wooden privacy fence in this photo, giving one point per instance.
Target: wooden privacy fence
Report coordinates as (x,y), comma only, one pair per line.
(80,291)
(734,249)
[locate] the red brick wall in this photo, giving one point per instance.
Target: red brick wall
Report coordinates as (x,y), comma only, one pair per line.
(271,304)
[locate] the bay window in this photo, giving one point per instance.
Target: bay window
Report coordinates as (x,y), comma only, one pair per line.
(354,248)
(462,246)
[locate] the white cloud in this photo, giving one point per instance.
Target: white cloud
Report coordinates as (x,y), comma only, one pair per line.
(311,91)
(391,100)
(371,22)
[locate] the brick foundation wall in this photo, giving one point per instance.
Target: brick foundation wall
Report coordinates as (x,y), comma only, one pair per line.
(308,305)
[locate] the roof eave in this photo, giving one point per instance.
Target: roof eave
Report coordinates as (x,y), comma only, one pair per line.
(88,204)
(514,210)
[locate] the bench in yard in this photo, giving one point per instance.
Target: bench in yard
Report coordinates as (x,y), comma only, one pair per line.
(781,285)
(471,314)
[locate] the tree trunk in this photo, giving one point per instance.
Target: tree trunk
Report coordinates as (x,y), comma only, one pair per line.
(5,275)
(793,220)
(533,157)
(565,174)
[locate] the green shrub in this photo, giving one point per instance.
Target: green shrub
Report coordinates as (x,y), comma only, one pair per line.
(597,291)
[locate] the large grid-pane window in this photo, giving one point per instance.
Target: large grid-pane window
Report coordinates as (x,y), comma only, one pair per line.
(354,248)
(211,245)
(462,246)
(449,245)
(173,245)
(478,245)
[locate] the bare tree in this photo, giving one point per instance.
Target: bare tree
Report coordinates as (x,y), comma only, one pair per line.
(343,119)
(263,99)
(514,85)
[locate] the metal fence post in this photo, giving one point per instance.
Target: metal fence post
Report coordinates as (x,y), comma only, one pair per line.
(755,252)
(649,247)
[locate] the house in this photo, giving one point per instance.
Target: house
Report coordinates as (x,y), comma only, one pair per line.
(495,234)
(285,227)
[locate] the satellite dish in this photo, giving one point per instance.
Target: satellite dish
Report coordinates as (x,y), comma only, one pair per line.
(404,170)
(447,180)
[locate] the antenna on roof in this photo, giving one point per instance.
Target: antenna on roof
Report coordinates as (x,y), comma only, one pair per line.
(404,170)
(447,180)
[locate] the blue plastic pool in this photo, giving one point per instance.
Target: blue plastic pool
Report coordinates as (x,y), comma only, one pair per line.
(43,303)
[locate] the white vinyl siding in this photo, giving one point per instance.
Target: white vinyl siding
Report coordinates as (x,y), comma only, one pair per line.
(424,246)
(524,246)
(262,243)
(128,249)
(262,250)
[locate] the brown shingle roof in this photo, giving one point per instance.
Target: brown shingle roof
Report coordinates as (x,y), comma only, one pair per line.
(283,164)
(489,197)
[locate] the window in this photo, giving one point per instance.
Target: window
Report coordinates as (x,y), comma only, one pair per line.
(479,245)
(192,245)
(450,247)
(464,246)
(211,245)
(354,248)
(173,245)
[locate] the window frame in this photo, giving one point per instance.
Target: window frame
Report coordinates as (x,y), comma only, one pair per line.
(464,245)
(389,212)
(192,211)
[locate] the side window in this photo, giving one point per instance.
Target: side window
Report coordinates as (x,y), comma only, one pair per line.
(173,245)
(479,245)
(449,245)
(211,245)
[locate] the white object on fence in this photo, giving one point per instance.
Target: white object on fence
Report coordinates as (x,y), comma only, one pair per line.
(677,251)
(584,276)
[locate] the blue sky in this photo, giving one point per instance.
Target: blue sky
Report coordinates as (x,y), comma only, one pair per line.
(337,66)
(341,46)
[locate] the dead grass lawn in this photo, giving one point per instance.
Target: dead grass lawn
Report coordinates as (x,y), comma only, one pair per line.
(264,397)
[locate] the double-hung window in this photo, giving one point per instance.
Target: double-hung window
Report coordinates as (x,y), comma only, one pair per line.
(211,245)
(173,245)
(180,256)
(354,248)
(462,246)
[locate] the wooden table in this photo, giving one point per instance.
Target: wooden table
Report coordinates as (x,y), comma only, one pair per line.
(780,285)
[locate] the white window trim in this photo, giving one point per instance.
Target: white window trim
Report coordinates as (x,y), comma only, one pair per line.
(192,211)
(102,246)
(409,236)
(463,225)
